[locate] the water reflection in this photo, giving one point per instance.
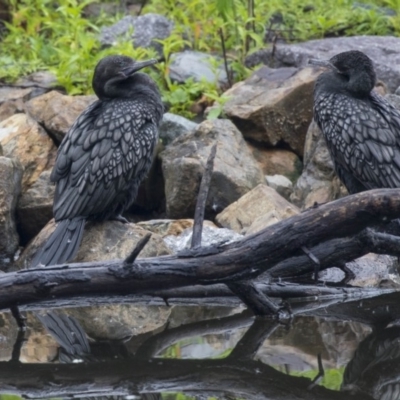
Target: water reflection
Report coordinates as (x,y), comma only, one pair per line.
(221,353)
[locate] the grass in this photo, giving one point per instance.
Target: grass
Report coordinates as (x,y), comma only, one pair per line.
(58,38)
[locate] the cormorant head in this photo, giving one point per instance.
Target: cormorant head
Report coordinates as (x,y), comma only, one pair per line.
(353,70)
(112,73)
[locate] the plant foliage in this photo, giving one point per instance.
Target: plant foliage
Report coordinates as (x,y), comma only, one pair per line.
(54,35)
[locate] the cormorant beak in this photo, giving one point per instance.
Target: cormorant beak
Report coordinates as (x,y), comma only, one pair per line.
(323,63)
(137,66)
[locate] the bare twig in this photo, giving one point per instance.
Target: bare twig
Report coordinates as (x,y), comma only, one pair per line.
(228,72)
(202,199)
(138,248)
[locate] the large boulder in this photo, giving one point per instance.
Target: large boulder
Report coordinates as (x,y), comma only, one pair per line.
(57,112)
(273,107)
(183,162)
(173,126)
(261,202)
(147,30)
(24,139)
(10,188)
(35,207)
(101,241)
(318,183)
(277,161)
(383,50)
(197,65)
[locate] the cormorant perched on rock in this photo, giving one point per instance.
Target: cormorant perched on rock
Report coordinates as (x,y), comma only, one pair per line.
(362,130)
(105,154)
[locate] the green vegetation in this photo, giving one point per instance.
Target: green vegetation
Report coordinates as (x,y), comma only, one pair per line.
(54,35)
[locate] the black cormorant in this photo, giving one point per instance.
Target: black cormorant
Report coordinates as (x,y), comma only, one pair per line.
(361,129)
(105,154)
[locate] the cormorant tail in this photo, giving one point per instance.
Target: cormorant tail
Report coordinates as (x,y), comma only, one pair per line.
(62,245)
(68,333)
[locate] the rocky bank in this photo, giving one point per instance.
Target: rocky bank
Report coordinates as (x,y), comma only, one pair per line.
(271,160)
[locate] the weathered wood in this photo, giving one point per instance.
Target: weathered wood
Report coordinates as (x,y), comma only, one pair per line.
(244,259)
(202,199)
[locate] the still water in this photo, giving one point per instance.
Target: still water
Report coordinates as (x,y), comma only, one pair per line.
(343,350)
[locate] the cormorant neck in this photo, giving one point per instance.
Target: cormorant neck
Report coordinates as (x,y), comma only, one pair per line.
(131,87)
(360,84)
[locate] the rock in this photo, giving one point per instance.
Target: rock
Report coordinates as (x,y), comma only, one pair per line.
(167,227)
(41,82)
(197,65)
(383,50)
(261,202)
(235,170)
(102,241)
(173,126)
(11,93)
(371,270)
(273,107)
(281,184)
(35,207)
(278,162)
(9,108)
(10,188)
(318,183)
(210,236)
(147,29)
(57,112)
(24,139)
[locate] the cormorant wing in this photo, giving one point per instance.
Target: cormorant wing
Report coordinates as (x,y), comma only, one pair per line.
(107,149)
(362,141)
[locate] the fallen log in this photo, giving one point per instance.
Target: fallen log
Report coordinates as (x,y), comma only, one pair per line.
(241,260)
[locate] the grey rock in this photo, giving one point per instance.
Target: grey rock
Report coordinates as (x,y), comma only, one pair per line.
(281,184)
(235,170)
(273,107)
(318,182)
(10,188)
(101,241)
(210,236)
(35,207)
(146,30)
(41,82)
(383,50)
(197,65)
(172,126)
(371,270)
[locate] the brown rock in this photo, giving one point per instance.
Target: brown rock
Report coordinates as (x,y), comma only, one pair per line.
(10,188)
(35,207)
(9,108)
(57,112)
(278,162)
(166,227)
(101,241)
(235,170)
(24,139)
(261,202)
(318,183)
(272,107)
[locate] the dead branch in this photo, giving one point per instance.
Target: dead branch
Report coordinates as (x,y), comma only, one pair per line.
(241,260)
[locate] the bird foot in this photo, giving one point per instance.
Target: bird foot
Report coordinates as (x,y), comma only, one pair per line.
(120,218)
